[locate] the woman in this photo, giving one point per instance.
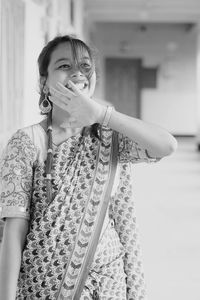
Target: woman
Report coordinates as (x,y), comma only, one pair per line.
(70,229)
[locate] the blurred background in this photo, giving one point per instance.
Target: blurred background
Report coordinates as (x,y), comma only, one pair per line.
(149,67)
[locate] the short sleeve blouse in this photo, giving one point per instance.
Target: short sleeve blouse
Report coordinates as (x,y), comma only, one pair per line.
(131,151)
(16,176)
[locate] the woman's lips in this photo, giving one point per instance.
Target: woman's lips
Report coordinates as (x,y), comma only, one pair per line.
(79,85)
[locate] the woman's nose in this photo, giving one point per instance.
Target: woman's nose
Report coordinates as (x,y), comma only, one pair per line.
(76,74)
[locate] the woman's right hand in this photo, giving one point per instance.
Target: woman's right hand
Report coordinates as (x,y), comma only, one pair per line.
(83,110)
(14,235)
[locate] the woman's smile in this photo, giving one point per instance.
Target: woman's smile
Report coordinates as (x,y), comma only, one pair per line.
(81,85)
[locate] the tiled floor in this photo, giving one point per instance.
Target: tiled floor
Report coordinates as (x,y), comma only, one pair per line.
(168,206)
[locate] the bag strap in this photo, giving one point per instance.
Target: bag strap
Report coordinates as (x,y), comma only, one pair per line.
(92,248)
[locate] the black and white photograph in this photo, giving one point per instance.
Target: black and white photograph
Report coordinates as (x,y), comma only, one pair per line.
(99,150)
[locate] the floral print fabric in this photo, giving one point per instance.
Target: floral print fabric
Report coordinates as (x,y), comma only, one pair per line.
(116,272)
(16,171)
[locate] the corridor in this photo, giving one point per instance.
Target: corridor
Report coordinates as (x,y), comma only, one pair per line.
(168,207)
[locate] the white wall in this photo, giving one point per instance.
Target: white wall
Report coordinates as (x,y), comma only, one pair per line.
(34,42)
(12,64)
(173,104)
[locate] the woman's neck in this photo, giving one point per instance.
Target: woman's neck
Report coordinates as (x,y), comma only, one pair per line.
(60,130)
(60,122)
(59,117)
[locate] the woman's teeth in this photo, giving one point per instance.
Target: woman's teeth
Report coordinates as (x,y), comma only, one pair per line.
(80,86)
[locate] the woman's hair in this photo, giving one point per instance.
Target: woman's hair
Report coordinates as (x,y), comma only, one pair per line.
(44,59)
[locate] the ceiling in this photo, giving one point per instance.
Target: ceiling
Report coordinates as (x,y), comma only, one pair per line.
(167,11)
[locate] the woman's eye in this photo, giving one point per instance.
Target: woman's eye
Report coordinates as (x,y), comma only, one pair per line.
(64,66)
(85,65)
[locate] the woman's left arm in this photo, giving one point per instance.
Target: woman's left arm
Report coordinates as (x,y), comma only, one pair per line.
(155,139)
(85,111)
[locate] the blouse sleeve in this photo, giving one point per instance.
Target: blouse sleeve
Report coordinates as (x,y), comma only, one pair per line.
(16,173)
(131,151)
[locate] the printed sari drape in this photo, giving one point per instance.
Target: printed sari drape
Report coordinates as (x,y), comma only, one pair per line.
(60,231)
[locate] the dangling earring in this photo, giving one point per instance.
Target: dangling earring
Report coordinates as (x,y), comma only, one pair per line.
(45,105)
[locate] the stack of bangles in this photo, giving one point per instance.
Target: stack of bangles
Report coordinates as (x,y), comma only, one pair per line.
(107,116)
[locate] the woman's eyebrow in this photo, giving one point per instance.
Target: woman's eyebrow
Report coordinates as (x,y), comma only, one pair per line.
(61,59)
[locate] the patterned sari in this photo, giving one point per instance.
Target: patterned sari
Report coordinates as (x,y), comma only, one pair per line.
(60,232)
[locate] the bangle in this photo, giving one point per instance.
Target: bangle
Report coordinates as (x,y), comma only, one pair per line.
(107,116)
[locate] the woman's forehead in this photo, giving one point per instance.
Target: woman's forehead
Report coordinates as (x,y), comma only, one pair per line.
(66,51)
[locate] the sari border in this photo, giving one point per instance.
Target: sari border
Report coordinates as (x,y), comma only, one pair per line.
(100,219)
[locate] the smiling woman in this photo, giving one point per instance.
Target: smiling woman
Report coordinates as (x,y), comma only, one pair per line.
(66,194)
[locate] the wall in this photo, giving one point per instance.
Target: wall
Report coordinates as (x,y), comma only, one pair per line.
(11,70)
(171,47)
(33,43)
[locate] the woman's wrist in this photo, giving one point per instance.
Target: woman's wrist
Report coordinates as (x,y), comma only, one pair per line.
(102,114)
(107,116)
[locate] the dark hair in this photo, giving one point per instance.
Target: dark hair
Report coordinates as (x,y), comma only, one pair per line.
(43,63)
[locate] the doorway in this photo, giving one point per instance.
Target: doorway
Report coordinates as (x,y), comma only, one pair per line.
(122,86)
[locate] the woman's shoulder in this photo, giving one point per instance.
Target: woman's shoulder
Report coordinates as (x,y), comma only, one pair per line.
(32,138)
(38,137)
(33,131)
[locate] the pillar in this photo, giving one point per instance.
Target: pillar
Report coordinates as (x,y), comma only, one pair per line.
(198,87)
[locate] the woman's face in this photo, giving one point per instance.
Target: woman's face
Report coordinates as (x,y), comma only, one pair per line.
(64,67)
